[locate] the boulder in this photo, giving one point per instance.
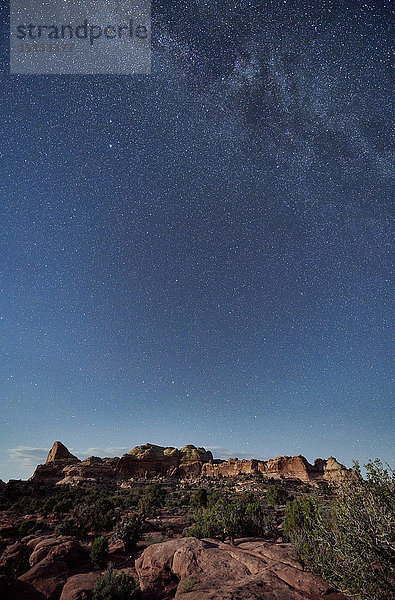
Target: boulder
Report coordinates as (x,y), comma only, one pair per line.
(60,548)
(15,559)
(80,587)
(251,570)
(47,577)
(53,561)
(13,589)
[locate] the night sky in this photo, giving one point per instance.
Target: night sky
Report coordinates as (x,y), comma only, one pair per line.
(203,255)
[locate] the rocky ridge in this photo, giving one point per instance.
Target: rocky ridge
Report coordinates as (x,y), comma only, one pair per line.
(150,461)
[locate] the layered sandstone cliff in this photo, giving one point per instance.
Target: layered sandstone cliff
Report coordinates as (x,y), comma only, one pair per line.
(150,461)
(290,467)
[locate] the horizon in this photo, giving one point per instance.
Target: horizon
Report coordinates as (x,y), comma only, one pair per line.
(30,457)
(203,253)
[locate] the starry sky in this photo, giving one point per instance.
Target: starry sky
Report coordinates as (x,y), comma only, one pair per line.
(203,255)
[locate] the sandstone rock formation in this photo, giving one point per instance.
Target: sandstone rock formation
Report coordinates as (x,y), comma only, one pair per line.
(59,452)
(52,561)
(291,467)
(334,472)
(90,469)
(150,461)
(251,570)
(192,460)
(79,587)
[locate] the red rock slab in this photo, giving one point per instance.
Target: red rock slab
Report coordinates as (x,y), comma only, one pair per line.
(210,570)
(79,587)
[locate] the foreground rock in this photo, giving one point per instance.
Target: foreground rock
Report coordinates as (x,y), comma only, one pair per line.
(80,587)
(251,570)
(52,562)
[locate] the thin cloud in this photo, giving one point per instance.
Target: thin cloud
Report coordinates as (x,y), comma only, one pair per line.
(27,457)
(221,452)
(102,451)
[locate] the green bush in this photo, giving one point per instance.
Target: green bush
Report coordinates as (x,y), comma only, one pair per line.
(98,516)
(27,527)
(350,542)
(230,518)
(199,499)
(152,500)
(188,583)
(67,527)
(111,586)
(129,532)
(99,552)
(276,495)
(302,519)
(63,506)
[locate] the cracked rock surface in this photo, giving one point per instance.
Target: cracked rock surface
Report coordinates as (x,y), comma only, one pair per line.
(253,569)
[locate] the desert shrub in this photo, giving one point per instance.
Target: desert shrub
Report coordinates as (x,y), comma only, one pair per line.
(276,495)
(152,500)
(27,527)
(111,586)
(302,519)
(68,527)
(351,542)
(90,518)
(99,552)
(188,583)
(62,506)
(47,507)
(213,497)
(129,531)
(199,499)
(230,518)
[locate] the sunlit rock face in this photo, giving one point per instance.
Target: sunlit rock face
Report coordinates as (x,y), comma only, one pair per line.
(149,461)
(334,472)
(192,460)
(59,452)
(291,467)
(58,459)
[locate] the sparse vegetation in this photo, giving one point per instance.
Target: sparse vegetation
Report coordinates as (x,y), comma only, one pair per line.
(129,531)
(27,527)
(199,499)
(276,495)
(111,586)
(188,583)
(230,518)
(343,532)
(351,541)
(151,501)
(99,552)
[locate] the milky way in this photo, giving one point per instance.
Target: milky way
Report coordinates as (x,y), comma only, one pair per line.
(202,255)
